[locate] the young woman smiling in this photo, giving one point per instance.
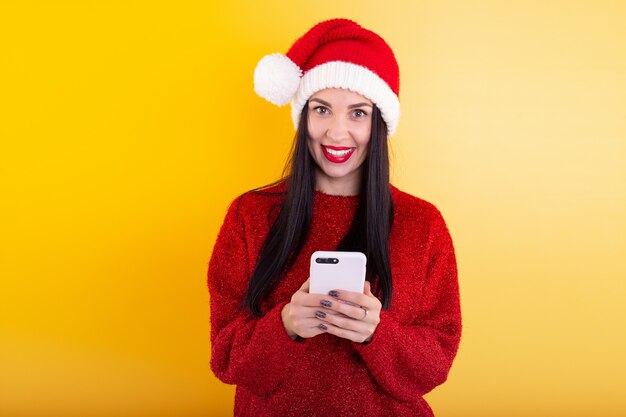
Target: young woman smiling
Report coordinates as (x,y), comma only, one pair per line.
(294,353)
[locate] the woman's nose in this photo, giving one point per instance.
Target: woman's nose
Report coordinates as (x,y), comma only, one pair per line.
(338,129)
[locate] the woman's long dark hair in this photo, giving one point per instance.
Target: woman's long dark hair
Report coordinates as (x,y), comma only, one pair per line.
(369,232)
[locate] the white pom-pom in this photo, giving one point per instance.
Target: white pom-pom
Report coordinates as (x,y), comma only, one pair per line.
(276,78)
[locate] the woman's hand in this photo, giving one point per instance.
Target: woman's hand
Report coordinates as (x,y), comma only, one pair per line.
(299,315)
(351,315)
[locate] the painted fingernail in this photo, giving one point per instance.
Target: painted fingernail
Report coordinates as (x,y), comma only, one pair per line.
(333,293)
(326,303)
(323,326)
(320,314)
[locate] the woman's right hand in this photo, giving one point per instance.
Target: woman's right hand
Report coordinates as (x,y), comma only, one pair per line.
(299,315)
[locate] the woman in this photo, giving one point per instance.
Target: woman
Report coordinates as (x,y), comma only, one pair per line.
(293,353)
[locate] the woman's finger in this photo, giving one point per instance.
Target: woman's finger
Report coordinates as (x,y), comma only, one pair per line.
(305,286)
(368,289)
(349,309)
(349,334)
(344,322)
(357,298)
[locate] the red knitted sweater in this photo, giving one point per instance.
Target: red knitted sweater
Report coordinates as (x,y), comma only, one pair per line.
(411,351)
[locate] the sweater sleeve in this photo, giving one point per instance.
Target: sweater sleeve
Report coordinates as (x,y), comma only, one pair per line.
(246,350)
(411,359)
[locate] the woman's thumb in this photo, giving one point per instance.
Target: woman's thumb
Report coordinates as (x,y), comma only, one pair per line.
(368,289)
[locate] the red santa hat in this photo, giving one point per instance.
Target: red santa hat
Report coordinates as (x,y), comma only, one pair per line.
(336,53)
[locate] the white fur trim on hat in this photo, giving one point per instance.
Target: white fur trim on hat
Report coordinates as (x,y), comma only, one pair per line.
(276,78)
(339,74)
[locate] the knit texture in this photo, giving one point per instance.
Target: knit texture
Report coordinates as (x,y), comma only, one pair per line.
(411,351)
(346,41)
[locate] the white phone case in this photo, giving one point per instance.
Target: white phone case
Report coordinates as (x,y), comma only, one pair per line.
(332,270)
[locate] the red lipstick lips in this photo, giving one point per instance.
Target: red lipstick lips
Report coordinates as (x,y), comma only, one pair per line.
(339,154)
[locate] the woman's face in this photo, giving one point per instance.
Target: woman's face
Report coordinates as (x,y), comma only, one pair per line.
(340,125)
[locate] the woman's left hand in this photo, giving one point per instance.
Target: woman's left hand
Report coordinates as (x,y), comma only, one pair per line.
(351,315)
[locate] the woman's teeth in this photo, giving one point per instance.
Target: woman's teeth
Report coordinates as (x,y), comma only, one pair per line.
(338,153)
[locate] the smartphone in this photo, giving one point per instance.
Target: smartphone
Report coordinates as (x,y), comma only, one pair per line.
(333,270)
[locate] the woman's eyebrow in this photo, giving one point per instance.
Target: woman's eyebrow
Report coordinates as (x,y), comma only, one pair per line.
(351,106)
(319,100)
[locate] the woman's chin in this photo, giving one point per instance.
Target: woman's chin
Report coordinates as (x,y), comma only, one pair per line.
(338,174)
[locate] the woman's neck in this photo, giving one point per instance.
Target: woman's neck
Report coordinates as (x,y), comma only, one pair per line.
(349,185)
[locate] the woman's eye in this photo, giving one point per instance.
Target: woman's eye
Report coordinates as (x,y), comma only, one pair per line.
(321,110)
(359,113)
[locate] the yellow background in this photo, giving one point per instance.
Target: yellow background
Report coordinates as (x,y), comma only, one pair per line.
(127,127)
